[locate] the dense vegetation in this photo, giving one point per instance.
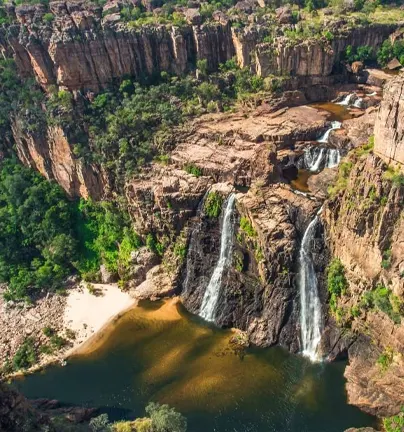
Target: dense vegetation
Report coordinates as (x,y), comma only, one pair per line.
(44,237)
(336,282)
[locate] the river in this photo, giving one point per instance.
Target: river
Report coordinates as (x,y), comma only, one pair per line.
(158,351)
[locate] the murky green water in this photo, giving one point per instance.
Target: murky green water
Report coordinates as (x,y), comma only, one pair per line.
(160,352)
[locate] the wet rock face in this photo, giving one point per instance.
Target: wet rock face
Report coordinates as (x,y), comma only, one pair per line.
(389,127)
(258,292)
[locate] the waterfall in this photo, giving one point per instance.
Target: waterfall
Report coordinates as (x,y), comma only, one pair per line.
(212,292)
(371,94)
(358,103)
(334,125)
(316,162)
(333,158)
(310,306)
(347,99)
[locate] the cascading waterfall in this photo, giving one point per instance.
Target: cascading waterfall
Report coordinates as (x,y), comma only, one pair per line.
(333,158)
(358,103)
(316,157)
(347,99)
(212,292)
(310,305)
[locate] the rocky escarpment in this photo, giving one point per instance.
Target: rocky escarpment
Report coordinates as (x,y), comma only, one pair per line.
(258,291)
(365,231)
(50,152)
(86,47)
(389,127)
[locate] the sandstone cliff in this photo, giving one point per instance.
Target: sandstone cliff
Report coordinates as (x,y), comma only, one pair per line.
(86,47)
(365,231)
(389,127)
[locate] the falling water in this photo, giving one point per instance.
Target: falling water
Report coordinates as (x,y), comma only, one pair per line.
(334,125)
(358,103)
(310,306)
(347,99)
(212,292)
(333,158)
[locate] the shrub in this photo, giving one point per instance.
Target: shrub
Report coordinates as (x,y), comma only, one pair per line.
(395,176)
(361,53)
(328,35)
(386,261)
(144,425)
(48,331)
(180,249)
(344,171)
(48,17)
(165,418)
(57,342)
(202,65)
(193,169)
(336,281)
(247,228)
(385,359)
(388,51)
(395,423)
(213,204)
(100,423)
(154,245)
(25,357)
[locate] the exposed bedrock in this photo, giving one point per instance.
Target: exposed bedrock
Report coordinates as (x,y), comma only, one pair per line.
(365,230)
(258,291)
(86,47)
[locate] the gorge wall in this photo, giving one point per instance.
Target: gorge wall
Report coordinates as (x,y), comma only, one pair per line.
(365,231)
(86,47)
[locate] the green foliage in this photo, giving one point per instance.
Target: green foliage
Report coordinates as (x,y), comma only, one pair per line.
(344,171)
(202,65)
(154,245)
(57,342)
(48,331)
(361,53)
(44,237)
(395,176)
(238,262)
(193,169)
(165,418)
(25,357)
(247,228)
(100,423)
(386,261)
(336,282)
(328,35)
(213,204)
(48,17)
(388,51)
(366,148)
(385,359)
(383,299)
(394,423)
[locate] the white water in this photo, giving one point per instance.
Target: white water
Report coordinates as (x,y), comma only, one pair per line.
(310,306)
(211,296)
(333,158)
(334,125)
(358,103)
(347,100)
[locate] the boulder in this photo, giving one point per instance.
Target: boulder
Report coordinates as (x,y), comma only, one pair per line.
(394,64)
(193,16)
(284,15)
(357,67)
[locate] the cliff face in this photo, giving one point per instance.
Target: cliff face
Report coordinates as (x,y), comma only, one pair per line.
(86,47)
(365,231)
(389,127)
(50,152)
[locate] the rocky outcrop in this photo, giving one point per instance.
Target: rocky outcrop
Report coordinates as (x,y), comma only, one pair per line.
(87,47)
(258,293)
(389,127)
(49,152)
(365,230)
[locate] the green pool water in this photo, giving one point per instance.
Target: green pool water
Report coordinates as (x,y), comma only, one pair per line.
(159,352)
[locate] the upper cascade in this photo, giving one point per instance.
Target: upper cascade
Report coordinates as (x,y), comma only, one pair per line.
(211,296)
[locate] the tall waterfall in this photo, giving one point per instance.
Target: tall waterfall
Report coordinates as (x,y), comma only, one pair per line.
(212,292)
(333,158)
(310,306)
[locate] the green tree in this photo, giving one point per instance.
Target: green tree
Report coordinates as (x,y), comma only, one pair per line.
(165,418)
